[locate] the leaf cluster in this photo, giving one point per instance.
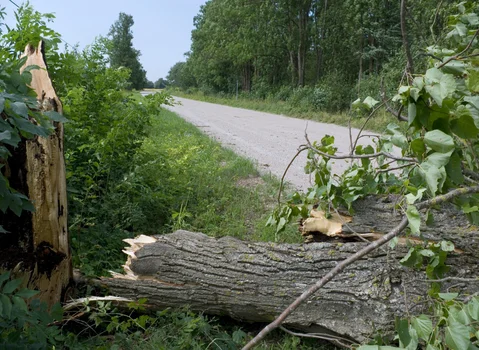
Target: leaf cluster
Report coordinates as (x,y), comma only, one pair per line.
(25,323)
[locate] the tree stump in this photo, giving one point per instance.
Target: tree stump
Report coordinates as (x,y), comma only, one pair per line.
(36,246)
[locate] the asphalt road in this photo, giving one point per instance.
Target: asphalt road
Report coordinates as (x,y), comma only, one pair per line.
(270,140)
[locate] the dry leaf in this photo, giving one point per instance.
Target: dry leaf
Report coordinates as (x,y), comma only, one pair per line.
(318,222)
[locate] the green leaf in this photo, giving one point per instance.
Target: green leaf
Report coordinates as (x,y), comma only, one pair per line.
(448,296)
(20,108)
(439,85)
(423,326)
(402,328)
(26,293)
(411,113)
(464,127)
(6,305)
(418,147)
(454,169)
(414,219)
(5,135)
(439,141)
(19,303)
(457,336)
(281,224)
(4,277)
(473,101)
(10,286)
(370,102)
(473,81)
(447,246)
(472,308)
(55,116)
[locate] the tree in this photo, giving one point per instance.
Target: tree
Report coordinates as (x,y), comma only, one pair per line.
(123,54)
(161,83)
(180,76)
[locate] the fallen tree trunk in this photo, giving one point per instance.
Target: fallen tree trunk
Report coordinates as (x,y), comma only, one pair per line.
(256,281)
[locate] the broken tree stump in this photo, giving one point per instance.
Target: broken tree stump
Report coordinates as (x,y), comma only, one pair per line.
(256,281)
(36,246)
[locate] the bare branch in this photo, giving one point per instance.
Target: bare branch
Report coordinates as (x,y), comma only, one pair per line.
(473,175)
(395,168)
(397,114)
(281,185)
(458,56)
(328,337)
(373,112)
(353,258)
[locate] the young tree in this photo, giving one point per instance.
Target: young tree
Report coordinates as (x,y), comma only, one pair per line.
(122,53)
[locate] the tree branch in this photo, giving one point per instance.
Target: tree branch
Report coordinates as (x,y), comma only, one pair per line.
(281,185)
(397,114)
(359,156)
(458,56)
(353,258)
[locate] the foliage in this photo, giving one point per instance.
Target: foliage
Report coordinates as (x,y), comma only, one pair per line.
(123,54)
(180,76)
(342,49)
(161,83)
(25,323)
(435,155)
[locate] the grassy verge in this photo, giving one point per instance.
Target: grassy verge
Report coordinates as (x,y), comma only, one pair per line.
(211,189)
(378,123)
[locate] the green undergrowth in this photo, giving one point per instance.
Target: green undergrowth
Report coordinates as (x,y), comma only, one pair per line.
(181,179)
(378,123)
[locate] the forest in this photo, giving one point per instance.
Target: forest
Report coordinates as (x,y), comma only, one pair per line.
(123,226)
(314,54)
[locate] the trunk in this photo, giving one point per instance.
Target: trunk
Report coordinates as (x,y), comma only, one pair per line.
(246,86)
(360,74)
(405,41)
(256,281)
(292,64)
(303,39)
(37,245)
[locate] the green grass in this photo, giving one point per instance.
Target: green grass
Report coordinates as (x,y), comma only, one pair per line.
(211,189)
(378,123)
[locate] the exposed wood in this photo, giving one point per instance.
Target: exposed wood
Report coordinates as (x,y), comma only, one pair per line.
(256,281)
(38,245)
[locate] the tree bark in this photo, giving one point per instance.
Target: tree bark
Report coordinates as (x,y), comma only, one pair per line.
(256,281)
(37,245)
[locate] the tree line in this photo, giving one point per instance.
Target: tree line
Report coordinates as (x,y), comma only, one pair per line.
(336,50)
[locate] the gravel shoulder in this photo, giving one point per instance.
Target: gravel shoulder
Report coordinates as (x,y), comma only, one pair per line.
(270,140)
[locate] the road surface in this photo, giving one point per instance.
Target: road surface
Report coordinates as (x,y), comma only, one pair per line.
(268,139)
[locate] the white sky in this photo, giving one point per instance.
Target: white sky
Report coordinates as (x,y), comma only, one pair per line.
(162,29)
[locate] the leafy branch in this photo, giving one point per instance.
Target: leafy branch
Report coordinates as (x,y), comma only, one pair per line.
(353,258)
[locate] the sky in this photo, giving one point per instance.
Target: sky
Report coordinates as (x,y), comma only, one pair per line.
(162,29)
